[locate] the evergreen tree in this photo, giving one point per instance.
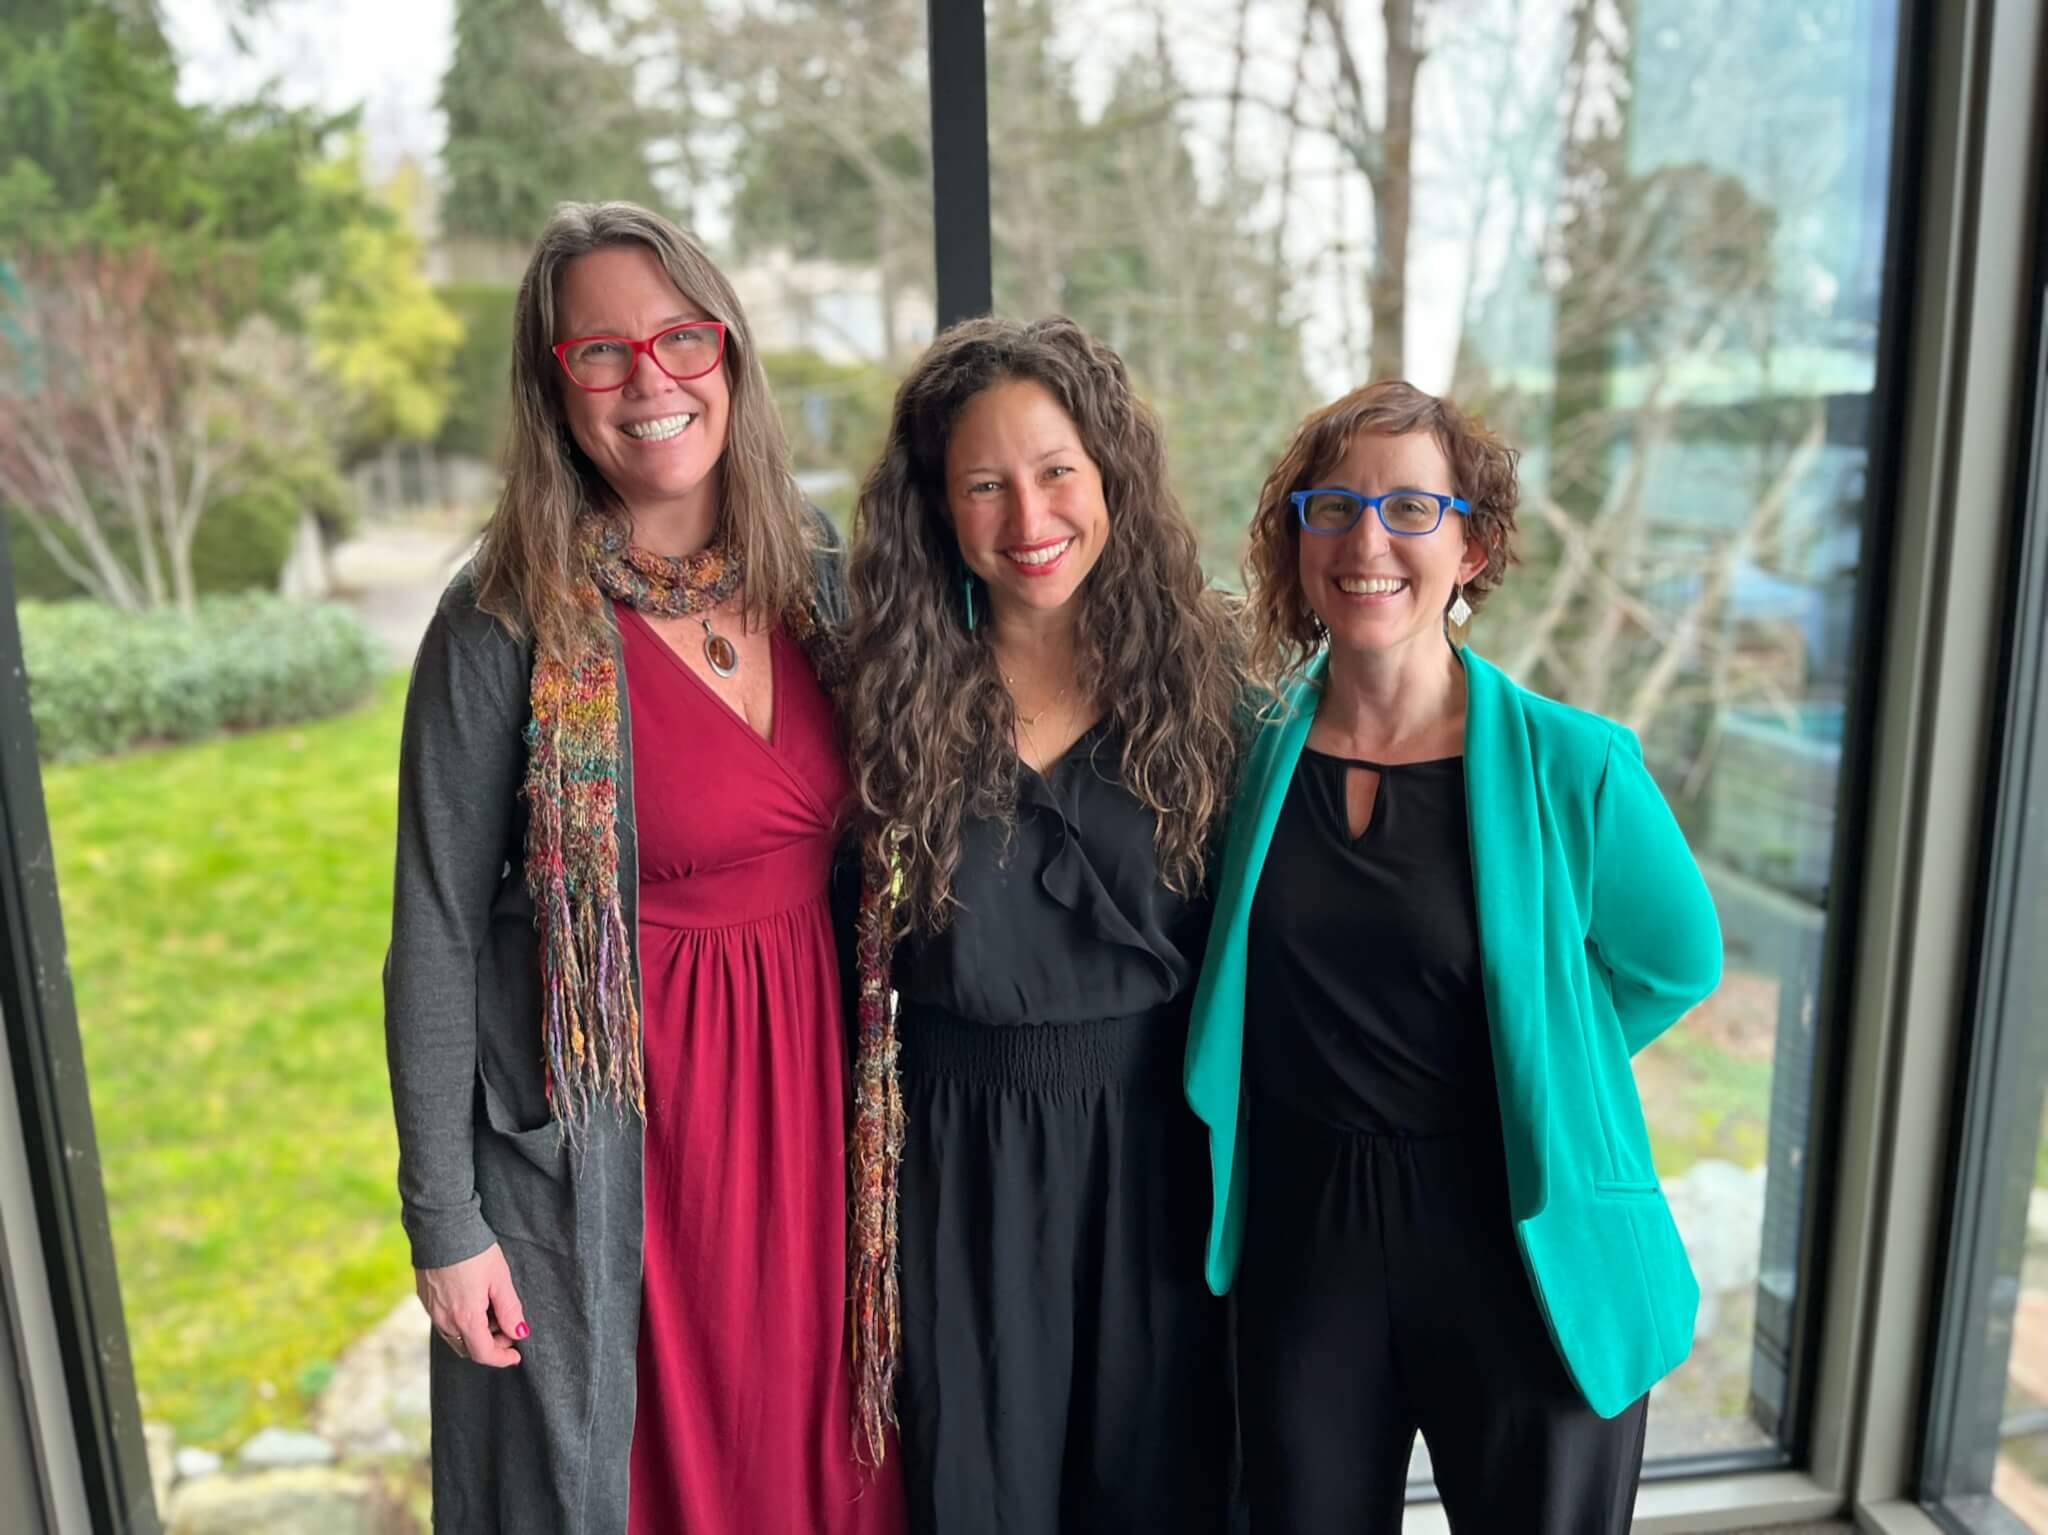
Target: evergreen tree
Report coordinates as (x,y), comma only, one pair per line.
(533,120)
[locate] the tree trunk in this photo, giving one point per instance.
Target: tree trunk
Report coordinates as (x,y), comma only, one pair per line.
(1391,189)
(1277,300)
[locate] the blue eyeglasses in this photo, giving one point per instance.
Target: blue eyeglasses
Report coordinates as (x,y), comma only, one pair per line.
(1403,513)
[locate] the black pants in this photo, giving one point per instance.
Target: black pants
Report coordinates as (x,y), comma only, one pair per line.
(1064,1366)
(1382,1292)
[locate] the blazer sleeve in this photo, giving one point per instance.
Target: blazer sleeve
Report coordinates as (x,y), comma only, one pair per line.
(460,762)
(1654,926)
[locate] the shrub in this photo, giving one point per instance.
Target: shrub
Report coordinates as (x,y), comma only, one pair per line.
(836,414)
(243,539)
(102,681)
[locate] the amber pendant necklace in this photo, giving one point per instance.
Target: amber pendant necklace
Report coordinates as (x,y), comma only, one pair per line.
(721,652)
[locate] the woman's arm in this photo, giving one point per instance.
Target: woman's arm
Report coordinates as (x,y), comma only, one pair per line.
(460,764)
(1654,925)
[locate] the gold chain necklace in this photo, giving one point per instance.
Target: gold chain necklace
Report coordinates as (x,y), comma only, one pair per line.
(1028,721)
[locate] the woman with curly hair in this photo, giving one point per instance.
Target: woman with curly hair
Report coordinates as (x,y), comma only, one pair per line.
(612,1002)
(1040,727)
(1449,912)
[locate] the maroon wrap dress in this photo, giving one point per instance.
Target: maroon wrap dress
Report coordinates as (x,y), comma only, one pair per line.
(745,1414)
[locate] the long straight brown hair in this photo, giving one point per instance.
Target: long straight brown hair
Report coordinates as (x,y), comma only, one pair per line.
(527,573)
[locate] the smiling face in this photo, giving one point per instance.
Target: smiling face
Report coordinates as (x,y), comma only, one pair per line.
(656,441)
(1025,498)
(1373,590)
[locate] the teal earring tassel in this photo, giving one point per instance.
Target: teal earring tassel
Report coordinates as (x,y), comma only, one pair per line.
(967,587)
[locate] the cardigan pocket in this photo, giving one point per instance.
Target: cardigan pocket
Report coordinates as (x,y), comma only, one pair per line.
(522,1176)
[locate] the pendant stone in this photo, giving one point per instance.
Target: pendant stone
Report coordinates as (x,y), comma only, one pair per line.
(723,655)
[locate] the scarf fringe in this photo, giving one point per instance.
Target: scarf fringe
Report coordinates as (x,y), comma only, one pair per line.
(877,1155)
(590,1013)
(590,1018)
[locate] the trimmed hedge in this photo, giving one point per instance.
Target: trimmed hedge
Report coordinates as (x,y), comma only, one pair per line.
(102,681)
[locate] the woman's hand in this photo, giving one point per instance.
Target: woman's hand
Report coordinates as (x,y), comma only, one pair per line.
(473,1307)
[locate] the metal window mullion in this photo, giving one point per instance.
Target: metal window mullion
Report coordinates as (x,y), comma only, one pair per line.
(957,56)
(1989,1101)
(48,1068)
(1849,870)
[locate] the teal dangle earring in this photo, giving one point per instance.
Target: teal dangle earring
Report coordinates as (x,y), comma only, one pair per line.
(967,591)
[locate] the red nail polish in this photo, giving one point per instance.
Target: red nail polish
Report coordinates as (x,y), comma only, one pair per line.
(523,1330)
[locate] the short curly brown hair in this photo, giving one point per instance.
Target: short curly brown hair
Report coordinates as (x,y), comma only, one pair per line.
(1285,630)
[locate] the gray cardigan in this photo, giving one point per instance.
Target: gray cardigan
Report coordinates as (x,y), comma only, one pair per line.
(542,1446)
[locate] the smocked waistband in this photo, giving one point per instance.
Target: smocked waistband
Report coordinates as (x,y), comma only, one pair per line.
(938,1045)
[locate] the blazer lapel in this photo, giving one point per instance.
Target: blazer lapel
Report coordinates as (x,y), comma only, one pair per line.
(1216,1044)
(1507,876)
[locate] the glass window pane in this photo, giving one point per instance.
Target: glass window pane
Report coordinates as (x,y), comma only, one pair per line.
(223,813)
(1645,240)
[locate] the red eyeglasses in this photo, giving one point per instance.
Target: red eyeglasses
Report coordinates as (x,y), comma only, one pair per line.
(601,364)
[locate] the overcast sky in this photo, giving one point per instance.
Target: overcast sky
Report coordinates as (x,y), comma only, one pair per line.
(385,55)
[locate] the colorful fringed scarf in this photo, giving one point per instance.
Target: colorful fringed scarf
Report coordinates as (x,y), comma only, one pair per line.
(877,1154)
(590,1019)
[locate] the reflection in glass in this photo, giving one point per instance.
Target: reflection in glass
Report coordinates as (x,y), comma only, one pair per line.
(2020,1472)
(1990,1453)
(1645,239)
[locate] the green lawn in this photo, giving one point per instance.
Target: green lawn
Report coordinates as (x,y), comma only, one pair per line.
(226,907)
(1701,1101)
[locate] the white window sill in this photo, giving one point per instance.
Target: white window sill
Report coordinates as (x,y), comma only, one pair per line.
(1900,1518)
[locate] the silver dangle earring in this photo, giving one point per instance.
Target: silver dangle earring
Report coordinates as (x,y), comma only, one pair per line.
(1460,613)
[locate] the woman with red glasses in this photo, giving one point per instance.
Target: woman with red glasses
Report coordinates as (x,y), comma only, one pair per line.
(612,999)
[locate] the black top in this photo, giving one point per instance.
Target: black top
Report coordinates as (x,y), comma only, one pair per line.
(1364,1005)
(1071,923)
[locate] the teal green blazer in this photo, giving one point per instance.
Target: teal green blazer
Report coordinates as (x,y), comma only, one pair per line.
(1596,932)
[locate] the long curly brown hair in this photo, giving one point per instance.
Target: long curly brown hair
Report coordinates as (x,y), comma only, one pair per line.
(930,726)
(1285,631)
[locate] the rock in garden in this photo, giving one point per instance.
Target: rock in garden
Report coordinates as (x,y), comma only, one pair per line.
(277,1447)
(307,1500)
(377,1402)
(1720,1212)
(193,1463)
(160,1444)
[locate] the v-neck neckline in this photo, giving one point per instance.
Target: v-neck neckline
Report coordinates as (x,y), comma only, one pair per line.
(770,739)
(1046,774)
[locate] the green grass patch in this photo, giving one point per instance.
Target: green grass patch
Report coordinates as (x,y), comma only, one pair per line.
(1703,1101)
(226,907)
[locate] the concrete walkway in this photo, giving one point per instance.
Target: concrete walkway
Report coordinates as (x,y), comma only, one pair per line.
(393,573)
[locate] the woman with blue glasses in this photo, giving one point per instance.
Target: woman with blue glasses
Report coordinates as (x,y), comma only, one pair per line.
(1449,912)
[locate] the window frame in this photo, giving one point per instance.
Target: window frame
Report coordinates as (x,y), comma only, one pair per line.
(47,1057)
(1990,1069)
(1865,1044)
